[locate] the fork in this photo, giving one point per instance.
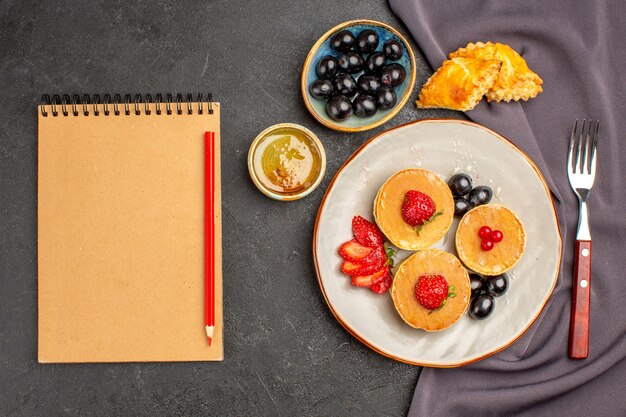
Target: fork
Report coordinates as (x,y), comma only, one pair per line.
(581,172)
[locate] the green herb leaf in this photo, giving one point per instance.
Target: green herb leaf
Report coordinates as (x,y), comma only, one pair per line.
(389,251)
(451,295)
(432,218)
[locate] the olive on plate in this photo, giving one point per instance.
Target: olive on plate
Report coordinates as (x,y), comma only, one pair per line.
(461,206)
(482,306)
(477,284)
(460,184)
(480,195)
(497,285)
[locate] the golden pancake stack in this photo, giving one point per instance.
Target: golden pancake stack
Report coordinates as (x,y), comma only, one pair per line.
(426,262)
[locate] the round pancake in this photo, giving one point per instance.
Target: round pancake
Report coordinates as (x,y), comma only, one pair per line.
(505,254)
(429,262)
(388,208)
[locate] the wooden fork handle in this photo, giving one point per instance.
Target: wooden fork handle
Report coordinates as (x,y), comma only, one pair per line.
(581,289)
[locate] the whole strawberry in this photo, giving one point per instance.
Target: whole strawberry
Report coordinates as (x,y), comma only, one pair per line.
(431,291)
(417,208)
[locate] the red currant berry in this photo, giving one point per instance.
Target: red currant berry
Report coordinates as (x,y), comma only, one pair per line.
(486,244)
(484,232)
(497,236)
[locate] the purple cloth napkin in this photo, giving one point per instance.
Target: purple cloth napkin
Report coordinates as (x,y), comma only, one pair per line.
(578,48)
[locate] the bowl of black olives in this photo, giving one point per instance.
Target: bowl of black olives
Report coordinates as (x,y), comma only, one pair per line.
(358,75)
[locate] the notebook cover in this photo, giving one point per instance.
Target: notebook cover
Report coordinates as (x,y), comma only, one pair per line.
(121,238)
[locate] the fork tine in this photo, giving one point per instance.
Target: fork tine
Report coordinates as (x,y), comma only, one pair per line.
(594,146)
(576,148)
(570,152)
(579,148)
(586,166)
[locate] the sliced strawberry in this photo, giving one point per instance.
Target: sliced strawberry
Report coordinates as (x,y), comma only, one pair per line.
(367,233)
(383,285)
(376,258)
(371,279)
(354,269)
(353,251)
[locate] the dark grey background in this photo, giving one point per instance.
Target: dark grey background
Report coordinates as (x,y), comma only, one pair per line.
(284,352)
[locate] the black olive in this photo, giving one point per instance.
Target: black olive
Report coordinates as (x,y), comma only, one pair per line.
(364,106)
(375,63)
(367,41)
(343,40)
(351,62)
(339,108)
(345,85)
(327,67)
(321,89)
(393,75)
(368,84)
(386,98)
(393,49)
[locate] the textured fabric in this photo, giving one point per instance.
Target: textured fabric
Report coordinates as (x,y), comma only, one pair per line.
(578,50)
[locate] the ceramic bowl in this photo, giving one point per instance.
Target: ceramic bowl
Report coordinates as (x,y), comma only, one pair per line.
(323,47)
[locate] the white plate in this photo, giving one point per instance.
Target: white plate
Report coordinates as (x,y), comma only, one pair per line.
(445,147)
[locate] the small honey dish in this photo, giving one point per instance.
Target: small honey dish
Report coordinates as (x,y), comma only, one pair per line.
(286,161)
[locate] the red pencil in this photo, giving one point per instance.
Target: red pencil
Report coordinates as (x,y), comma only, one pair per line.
(209,234)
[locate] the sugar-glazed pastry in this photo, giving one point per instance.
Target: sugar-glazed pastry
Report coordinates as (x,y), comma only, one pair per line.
(431,290)
(515,80)
(459,84)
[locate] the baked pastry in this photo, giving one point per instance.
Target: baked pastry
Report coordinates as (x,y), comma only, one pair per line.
(440,268)
(515,80)
(459,84)
(502,227)
(422,198)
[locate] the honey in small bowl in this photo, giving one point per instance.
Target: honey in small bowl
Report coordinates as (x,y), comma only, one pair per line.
(286,161)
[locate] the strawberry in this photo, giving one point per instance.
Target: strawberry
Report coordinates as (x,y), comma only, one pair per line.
(371,279)
(353,251)
(417,208)
(366,233)
(382,286)
(354,269)
(431,291)
(376,258)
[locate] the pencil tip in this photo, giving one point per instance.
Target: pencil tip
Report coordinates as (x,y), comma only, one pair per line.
(209,333)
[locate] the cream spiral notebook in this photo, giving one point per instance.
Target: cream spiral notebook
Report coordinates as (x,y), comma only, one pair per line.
(120,229)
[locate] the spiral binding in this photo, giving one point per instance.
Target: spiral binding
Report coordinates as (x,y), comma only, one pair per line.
(76,104)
